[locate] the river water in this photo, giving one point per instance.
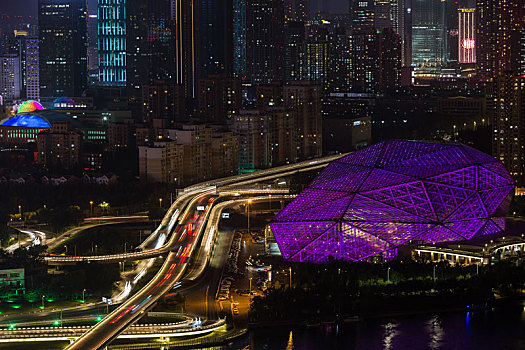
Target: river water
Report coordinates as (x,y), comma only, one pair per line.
(502,328)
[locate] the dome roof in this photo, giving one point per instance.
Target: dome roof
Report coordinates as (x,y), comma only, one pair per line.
(374,200)
(26,120)
(30,106)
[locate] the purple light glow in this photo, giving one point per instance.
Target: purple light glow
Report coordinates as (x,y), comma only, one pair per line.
(371,201)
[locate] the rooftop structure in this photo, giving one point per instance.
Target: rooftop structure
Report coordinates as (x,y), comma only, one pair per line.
(395,192)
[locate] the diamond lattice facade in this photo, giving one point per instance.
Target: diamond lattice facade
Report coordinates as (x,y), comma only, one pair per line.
(374,200)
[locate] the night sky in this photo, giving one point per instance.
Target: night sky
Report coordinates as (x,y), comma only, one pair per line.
(29,7)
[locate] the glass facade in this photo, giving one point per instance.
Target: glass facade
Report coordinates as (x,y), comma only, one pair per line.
(395,192)
(112,42)
(429,40)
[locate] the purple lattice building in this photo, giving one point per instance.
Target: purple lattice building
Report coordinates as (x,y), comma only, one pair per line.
(395,192)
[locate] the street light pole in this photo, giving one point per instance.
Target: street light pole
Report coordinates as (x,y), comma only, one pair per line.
(65,246)
(290,269)
(91,206)
(434,274)
(43,296)
(160,202)
(388,274)
(250,278)
(249,202)
(83,296)
(20,210)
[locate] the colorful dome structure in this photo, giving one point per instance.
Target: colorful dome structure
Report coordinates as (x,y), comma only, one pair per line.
(29,107)
(372,201)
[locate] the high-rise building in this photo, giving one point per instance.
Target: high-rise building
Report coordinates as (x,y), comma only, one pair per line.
(163,100)
(467,36)
(10,77)
(294,49)
(264,40)
(386,14)
(150,43)
(314,57)
(239,39)
(388,44)
(220,98)
(508,94)
(499,27)
(112,42)
(303,99)
(93,49)
(27,50)
(216,37)
(429,39)
(296,10)
(63,47)
(362,14)
(185,16)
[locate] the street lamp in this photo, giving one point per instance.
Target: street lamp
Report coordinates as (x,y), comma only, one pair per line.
(65,246)
(43,296)
(20,209)
(160,202)
(290,269)
(250,278)
(388,274)
(434,274)
(83,296)
(91,206)
(249,202)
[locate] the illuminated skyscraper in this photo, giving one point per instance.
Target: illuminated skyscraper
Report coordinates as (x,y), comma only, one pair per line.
(508,92)
(429,40)
(63,47)
(499,26)
(9,77)
(296,10)
(362,15)
(239,38)
(185,17)
(150,43)
(216,37)
(264,40)
(467,36)
(112,42)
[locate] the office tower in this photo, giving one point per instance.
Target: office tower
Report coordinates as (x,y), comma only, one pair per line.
(93,49)
(429,40)
(314,58)
(388,44)
(467,36)
(294,49)
(32,75)
(239,38)
(303,99)
(508,93)
(264,40)
(150,44)
(63,47)
(362,15)
(499,26)
(387,14)
(9,77)
(185,17)
(365,63)
(296,10)
(406,34)
(112,42)
(26,48)
(341,62)
(216,37)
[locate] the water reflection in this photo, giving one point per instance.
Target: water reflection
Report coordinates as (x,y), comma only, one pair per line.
(289,346)
(389,333)
(435,330)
